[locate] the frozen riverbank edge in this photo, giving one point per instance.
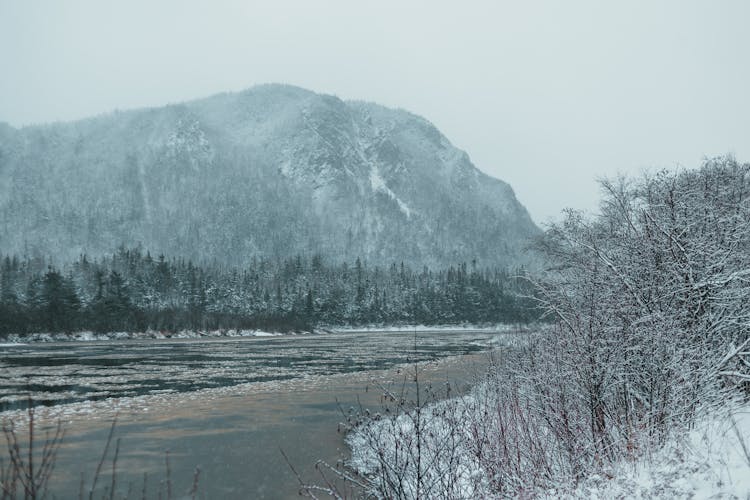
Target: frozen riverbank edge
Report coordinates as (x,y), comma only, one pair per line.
(462,441)
(709,460)
(88,336)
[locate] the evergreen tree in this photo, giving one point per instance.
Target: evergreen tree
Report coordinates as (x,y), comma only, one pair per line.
(58,302)
(129,290)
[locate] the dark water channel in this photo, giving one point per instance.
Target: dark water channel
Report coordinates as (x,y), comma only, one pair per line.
(227,406)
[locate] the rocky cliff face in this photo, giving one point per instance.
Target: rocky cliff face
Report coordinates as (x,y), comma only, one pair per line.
(272,171)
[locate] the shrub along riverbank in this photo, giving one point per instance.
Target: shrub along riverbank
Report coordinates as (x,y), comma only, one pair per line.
(650,343)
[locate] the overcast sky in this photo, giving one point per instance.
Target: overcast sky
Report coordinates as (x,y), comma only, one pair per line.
(545,95)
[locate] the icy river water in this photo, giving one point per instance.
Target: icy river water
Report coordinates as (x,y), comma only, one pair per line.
(227,406)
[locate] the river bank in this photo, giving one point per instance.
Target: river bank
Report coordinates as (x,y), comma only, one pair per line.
(91,336)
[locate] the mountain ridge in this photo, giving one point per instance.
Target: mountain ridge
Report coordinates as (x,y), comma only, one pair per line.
(271,170)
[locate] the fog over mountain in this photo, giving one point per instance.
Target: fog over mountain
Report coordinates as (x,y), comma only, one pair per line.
(272,171)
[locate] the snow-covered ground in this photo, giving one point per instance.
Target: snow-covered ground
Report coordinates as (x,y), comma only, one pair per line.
(499,327)
(87,336)
(712,460)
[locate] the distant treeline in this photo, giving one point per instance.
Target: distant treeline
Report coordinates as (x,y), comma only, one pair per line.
(132,291)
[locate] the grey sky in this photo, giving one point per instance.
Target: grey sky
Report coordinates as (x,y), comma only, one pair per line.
(545,95)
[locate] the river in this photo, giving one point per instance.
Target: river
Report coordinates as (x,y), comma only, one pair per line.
(226,406)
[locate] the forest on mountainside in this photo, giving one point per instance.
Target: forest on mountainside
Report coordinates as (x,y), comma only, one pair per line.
(275,171)
(132,291)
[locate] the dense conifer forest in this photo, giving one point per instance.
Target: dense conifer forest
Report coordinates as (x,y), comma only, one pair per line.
(133,291)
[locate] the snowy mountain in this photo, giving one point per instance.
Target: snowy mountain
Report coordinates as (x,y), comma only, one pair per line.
(272,171)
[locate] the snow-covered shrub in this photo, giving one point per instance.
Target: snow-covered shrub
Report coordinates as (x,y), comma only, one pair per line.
(523,431)
(651,326)
(416,447)
(650,294)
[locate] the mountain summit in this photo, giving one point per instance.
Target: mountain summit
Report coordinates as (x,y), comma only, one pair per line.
(272,171)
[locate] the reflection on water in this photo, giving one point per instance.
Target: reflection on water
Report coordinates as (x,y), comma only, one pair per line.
(227,406)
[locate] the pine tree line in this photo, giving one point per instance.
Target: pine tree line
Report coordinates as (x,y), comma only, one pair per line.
(132,291)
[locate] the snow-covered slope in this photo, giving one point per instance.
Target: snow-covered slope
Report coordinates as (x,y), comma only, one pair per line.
(712,460)
(274,170)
